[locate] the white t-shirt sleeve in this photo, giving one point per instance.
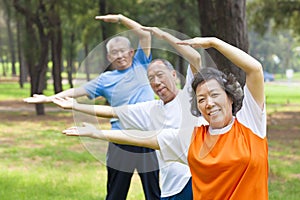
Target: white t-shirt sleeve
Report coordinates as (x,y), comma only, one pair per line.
(174,144)
(252,116)
(136,116)
(188,79)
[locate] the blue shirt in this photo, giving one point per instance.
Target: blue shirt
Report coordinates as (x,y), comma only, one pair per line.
(122,87)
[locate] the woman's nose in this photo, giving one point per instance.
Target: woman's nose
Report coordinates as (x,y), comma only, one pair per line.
(209,102)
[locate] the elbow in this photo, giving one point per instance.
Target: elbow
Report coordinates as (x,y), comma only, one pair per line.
(198,61)
(259,68)
(152,143)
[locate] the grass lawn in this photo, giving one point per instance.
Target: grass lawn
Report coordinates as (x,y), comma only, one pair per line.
(38,162)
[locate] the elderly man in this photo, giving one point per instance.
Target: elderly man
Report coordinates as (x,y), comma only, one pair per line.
(121,87)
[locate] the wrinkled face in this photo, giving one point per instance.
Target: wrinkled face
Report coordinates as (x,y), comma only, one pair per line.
(214,104)
(120,55)
(162,81)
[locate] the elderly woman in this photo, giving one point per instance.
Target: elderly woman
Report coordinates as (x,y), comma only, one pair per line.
(228,158)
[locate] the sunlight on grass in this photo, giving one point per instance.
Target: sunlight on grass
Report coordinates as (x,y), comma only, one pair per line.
(277,94)
(38,162)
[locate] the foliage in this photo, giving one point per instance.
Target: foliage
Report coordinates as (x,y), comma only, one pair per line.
(275,32)
(277,53)
(283,14)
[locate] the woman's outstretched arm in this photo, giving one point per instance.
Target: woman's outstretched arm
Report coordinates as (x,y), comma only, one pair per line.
(126,137)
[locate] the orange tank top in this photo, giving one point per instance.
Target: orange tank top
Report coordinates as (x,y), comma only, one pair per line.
(233,165)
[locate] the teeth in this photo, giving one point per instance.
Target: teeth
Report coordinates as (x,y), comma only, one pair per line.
(214,112)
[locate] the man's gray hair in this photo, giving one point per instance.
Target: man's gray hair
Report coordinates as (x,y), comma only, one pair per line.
(164,61)
(117,39)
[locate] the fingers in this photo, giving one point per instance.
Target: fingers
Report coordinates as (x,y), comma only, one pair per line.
(84,124)
(34,99)
(184,42)
(108,18)
(72,131)
(99,17)
(154,31)
(144,28)
(58,101)
(69,98)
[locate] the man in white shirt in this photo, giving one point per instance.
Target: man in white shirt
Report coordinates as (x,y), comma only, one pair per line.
(170,111)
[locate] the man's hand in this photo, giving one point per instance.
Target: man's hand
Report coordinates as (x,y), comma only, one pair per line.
(110,18)
(65,103)
(154,31)
(38,98)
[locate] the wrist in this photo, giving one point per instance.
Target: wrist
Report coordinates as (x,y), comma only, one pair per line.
(75,106)
(50,99)
(96,134)
(119,18)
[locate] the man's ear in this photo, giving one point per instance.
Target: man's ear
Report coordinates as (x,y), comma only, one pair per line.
(109,58)
(131,52)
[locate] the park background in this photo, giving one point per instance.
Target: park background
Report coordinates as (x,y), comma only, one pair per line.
(43,45)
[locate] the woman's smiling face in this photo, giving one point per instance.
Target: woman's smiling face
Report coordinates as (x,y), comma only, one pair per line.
(214,104)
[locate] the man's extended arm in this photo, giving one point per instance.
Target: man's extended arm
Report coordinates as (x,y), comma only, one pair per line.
(73,92)
(144,36)
(189,53)
(98,110)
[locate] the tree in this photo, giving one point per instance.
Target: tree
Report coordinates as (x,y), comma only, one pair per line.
(282,14)
(55,34)
(36,45)
(279,18)
(227,21)
(11,42)
(183,18)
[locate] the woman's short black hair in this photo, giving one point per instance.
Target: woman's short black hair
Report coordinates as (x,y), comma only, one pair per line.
(228,82)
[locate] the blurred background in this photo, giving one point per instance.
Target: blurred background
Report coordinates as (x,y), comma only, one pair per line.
(49,39)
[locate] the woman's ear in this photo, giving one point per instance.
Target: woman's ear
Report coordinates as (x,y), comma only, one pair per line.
(174,74)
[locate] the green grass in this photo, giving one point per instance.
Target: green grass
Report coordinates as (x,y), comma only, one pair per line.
(38,162)
(12,90)
(282,94)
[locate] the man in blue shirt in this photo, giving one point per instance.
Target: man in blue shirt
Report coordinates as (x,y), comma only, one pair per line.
(126,84)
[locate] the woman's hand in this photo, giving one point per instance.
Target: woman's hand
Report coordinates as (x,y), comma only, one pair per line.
(86,130)
(199,42)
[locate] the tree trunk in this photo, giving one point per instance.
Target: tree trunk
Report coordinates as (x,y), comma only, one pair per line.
(180,20)
(70,68)
(227,21)
(10,34)
(22,68)
(56,49)
(11,46)
(38,29)
(37,69)
(2,59)
(106,30)
(86,62)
